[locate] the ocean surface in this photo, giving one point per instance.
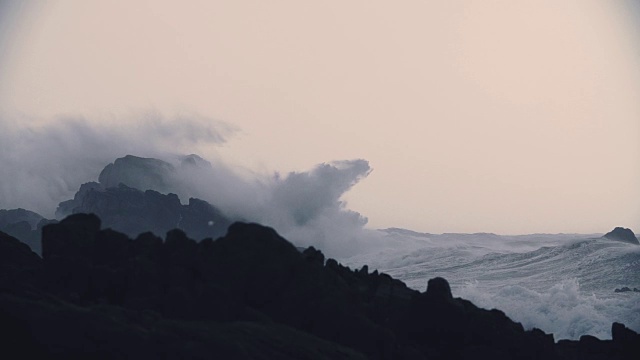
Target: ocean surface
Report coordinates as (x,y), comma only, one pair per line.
(561,283)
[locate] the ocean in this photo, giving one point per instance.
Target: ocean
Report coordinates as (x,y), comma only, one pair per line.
(560,283)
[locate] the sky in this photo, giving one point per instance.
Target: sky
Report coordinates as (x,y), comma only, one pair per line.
(475,116)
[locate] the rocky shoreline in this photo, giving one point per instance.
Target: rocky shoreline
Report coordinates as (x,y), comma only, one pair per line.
(96,293)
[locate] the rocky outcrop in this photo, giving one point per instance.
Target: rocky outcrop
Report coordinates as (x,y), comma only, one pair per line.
(12,216)
(133,211)
(68,207)
(625,344)
(139,173)
(622,234)
(248,295)
(626,289)
(134,195)
(24,225)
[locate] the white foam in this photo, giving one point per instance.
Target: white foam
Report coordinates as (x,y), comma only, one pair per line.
(562,284)
(562,310)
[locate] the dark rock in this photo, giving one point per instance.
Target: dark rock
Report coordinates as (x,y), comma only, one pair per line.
(438,289)
(23,225)
(24,232)
(48,329)
(623,289)
(67,251)
(134,195)
(66,208)
(622,234)
(314,256)
(18,264)
(247,295)
(625,340)
(73,236)
(12,216)
(133,212)
(200,220)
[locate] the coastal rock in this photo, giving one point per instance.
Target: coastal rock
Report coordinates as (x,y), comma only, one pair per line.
(66,208)
(247,295)
(135,195)
(139,173)
(438,289)
(625,340)
(134,211)
(24,225)
(626,289)
(12,216)
(18,264)
(622,234)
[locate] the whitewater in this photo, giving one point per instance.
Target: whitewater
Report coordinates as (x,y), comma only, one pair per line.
(561,283)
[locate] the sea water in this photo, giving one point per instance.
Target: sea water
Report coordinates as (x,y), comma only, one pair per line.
(561,283)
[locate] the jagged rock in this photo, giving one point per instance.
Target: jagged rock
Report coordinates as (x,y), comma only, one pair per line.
(24,225)
(133,211)
(134,195)
(622,234)
(66,208)
(314,256)
(250,294)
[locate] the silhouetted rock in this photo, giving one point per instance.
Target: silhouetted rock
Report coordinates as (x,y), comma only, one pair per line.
(135,195)
(24,225)
(314,256)
(48,329)
(133,211)
(72,237)
(438,289)
(66,208)
(248,295)
(622,234)
(13,216)
(18,264)
(625,344)
(625,340)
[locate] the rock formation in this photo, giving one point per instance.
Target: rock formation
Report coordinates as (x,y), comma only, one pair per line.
(139,173)
(133,212)
(626,289)
(133,196)
(24,225)
(622,234)
(251,294)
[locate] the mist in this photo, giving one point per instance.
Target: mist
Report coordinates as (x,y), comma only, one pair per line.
(45,165)
(305,207)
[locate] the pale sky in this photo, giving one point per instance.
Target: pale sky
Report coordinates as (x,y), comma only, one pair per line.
(476,116)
